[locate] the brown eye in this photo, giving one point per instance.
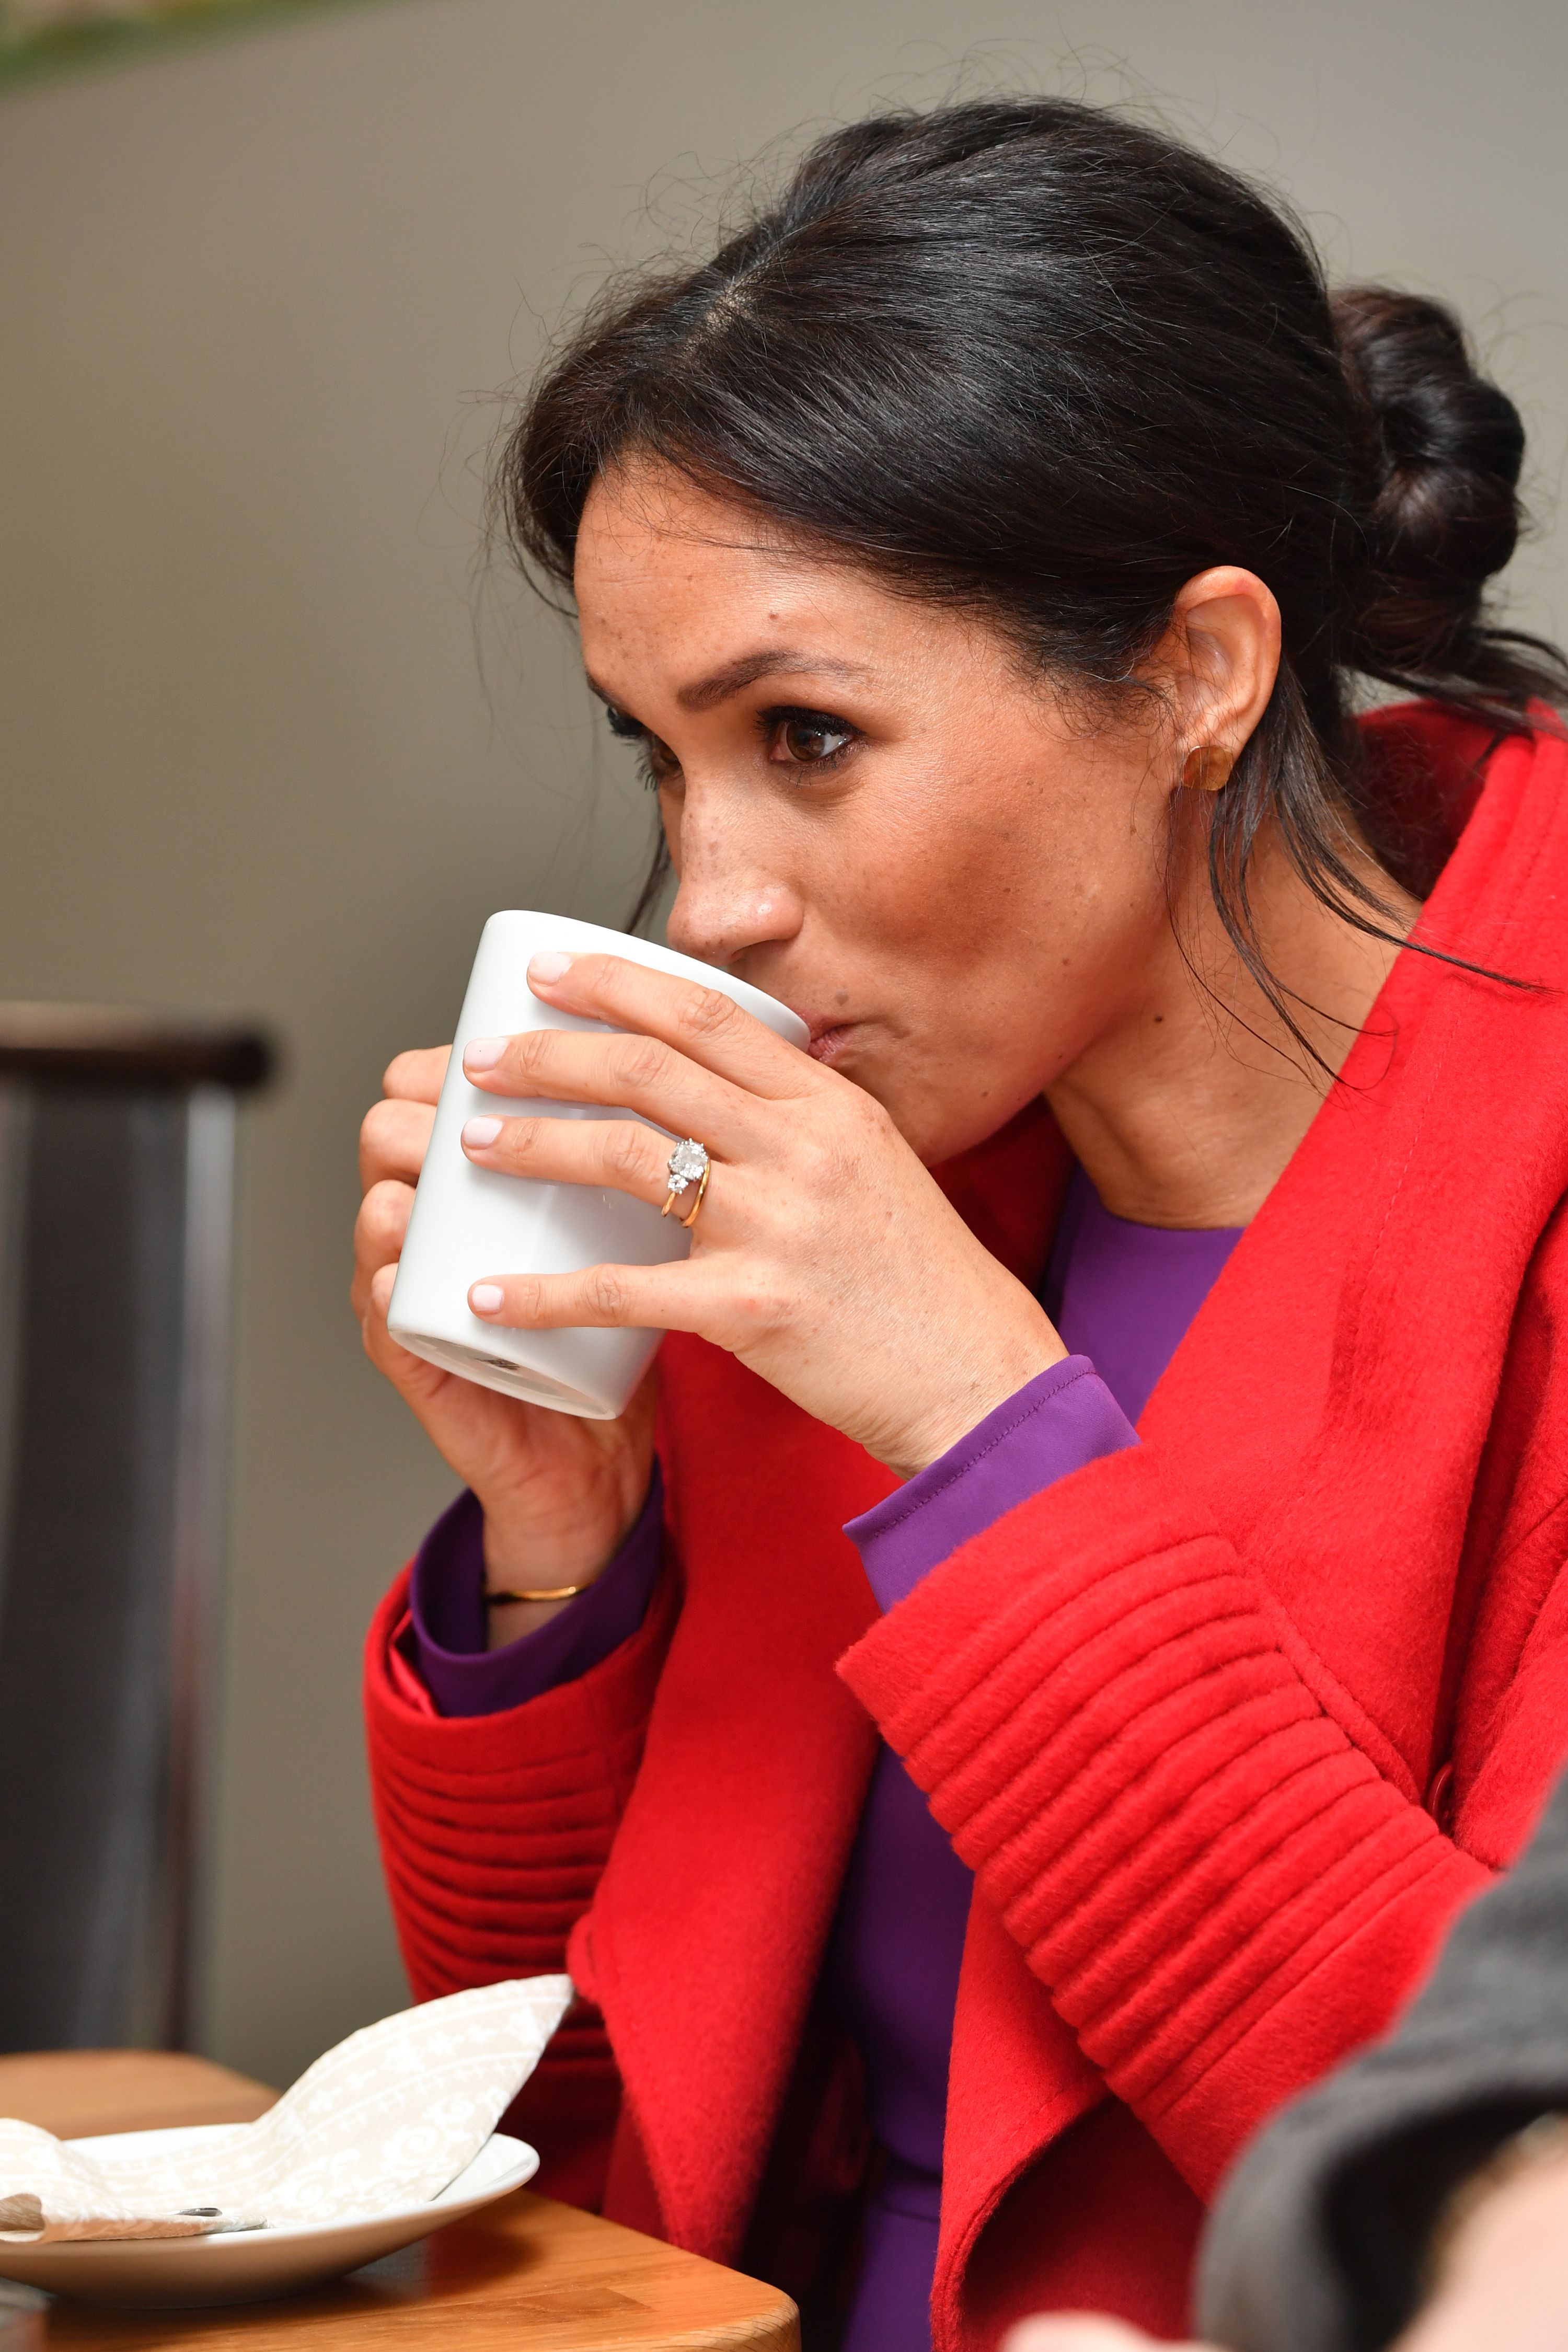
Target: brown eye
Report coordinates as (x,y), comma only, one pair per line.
(805,738)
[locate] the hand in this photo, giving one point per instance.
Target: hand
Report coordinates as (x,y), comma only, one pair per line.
(825,1257)
(1084,2331)
(1503,2279)
(559,1495)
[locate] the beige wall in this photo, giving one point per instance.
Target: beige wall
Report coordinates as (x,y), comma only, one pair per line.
(246,295)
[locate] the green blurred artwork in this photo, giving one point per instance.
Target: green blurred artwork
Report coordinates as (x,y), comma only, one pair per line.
(45,35)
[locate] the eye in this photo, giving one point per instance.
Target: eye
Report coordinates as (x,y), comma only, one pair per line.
(807,739)
(658,761)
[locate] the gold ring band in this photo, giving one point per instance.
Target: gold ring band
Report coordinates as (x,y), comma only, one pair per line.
(555,1593)
(684,1169)
(690,1219)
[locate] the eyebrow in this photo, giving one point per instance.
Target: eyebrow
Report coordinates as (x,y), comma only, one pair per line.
(772,661)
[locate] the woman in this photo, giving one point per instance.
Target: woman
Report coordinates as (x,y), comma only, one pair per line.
(982,548)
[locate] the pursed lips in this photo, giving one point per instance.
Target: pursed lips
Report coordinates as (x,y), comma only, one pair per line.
(828,1038)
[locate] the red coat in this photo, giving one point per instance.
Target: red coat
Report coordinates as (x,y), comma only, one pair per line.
(1229,1724)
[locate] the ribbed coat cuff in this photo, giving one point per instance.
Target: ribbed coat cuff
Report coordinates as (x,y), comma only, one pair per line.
(494,1828)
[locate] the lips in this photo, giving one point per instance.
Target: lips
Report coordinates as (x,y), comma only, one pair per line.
(829,1039)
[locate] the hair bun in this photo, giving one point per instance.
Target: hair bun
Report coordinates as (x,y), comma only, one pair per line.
(1444,452)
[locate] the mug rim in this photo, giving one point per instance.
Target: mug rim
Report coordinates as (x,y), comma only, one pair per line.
(660,957)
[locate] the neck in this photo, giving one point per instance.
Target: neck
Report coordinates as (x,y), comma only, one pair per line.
(1186,1109)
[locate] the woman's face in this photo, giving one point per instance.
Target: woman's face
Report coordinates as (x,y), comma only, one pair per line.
(874,815)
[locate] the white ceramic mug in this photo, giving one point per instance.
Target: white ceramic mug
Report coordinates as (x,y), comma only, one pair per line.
(470,1222)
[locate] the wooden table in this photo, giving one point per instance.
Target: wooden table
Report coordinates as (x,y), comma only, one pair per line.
(525,2274)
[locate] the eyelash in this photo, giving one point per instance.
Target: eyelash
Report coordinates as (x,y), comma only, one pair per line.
(628,729)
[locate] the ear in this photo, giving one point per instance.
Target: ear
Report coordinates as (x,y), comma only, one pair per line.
(1220,656)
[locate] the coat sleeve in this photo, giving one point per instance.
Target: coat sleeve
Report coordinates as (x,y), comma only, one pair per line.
(494,1830)
(1220,1889)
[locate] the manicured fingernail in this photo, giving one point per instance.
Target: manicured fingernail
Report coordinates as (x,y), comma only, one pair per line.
(481,1133)
(548,968)
(483,1053)
(487,1299)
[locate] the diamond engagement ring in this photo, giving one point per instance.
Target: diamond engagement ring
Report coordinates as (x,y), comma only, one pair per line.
(689,1164)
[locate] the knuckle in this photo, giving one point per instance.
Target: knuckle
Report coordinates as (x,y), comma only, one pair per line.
(762,1307)
(606,1293)
(837,1150)
(823,1163)
(393,1140)
(859,1121)
(383,1212)
(530,1053)
(373,1127)
(639,1063)
(873,1117)
(415,1076)
(625,1150)
(708,1013)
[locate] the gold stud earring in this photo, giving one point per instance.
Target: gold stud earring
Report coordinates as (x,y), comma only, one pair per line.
(1208,770)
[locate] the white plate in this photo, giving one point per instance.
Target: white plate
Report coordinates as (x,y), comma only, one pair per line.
(249,2265)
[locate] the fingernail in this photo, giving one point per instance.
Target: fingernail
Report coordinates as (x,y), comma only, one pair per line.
(481,1133)
(550,967)
(483,1053)
(487,1299)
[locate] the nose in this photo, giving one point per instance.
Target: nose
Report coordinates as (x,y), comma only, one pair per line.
(732,900)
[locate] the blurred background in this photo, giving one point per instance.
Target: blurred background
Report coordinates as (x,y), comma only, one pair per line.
(273,741)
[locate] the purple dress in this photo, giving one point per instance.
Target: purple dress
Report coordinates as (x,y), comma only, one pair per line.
(1121,1295)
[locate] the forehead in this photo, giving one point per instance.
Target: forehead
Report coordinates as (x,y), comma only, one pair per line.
(677,586)
(664,567)
(641,517)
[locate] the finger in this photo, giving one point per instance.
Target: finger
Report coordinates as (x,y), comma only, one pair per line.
(419,1382)
(393,1138)
(417,1076)
(601,1297)
(619,1152)
(382,1226)
(635,1074)
(702,1023)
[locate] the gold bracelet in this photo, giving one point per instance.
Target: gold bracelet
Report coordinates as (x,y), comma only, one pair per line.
(557,1592)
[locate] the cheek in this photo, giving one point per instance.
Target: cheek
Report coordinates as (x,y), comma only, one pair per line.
(1049,869)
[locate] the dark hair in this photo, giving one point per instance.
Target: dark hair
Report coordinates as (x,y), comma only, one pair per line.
(1031,358)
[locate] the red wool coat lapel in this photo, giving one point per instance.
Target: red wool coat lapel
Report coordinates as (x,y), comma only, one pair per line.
(1329,1411)
(705,1936)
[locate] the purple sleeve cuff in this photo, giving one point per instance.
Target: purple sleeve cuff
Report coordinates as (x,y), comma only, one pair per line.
(446,1605)
(1064,1418)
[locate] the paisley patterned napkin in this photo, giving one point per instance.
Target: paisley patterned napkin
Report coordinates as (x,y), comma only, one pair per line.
(382,2122)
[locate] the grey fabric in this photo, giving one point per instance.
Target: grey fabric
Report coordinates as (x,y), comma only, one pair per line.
(1319,2241)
